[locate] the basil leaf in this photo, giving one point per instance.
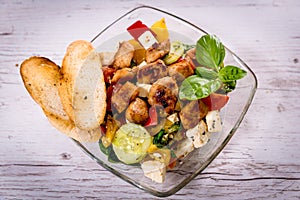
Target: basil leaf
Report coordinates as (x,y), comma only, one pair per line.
(229,86)
(206,73)
(111,156)
(210,52)
(231,73)
(104,149)
(195,87)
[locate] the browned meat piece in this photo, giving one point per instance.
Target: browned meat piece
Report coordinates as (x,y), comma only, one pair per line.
(191,53)
(124,55)
(164,92)
(192,113)
(137,112)
(150,73)
(122,96)
(168,82)
(158,50)
(123,75)
(180,70)
(191,57)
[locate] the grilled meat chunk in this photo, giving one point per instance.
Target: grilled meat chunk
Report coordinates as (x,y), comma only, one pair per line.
(191,53)
(192,113)
(123,75)
(180,70)
(150,73)
(124,55)
(137,111)
(164,92)
(158,50)
(122,95)
(191,57)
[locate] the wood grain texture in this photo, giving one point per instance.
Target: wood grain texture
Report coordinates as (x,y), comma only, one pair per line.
(262,161)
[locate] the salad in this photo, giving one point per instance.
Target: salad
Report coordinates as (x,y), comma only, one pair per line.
(163,97)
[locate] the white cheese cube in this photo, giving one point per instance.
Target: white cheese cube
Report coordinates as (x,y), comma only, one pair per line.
(155,170)
(213,121)
(143,89)
(173,118)
(184,148)
(199,134)
(142,64)
(147,39)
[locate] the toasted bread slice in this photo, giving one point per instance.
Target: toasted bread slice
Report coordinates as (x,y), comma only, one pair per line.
(75,56)
(89,97)
(82,87)
(41,79)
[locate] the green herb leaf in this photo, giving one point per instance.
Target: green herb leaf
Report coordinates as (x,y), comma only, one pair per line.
(231,73)
(210,52)
(228,86)
(206,73)
(158,139)
(111,156)
(195,87)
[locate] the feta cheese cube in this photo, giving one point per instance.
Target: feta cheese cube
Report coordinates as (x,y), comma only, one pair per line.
(147,39)
(184,148)
(199,134)
(173,118)
(213,121)
(143,89)
(155,170)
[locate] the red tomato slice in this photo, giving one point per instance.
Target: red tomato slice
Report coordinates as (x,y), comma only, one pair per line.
(152,120)
(103,129)
(108,73)
(109,93)
(215,101)
(137,29)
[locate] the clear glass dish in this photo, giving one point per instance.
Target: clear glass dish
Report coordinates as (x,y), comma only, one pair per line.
(232,114)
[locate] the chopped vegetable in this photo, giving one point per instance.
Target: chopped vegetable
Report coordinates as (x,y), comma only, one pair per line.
(215,101)
(164,136)
(109,152)
(131,142)
(111,127)
(152,120)
(160,29)
(142,34)
(176,51)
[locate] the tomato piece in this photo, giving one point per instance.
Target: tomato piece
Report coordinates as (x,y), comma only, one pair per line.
(109,93)
(103,129)
(108,73)
(137,29)
(215,101)
(152,120)
(172,163)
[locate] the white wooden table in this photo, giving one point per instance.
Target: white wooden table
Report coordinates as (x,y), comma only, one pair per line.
(262,161)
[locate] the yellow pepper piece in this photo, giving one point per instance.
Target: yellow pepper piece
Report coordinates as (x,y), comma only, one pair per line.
(139,51)
(160,29)
(152,148)
(111,128)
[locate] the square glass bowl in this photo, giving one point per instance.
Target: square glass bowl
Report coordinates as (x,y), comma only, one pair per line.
(231,115)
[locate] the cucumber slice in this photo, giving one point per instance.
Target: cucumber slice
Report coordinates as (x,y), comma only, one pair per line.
(131,142)
(176,51)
